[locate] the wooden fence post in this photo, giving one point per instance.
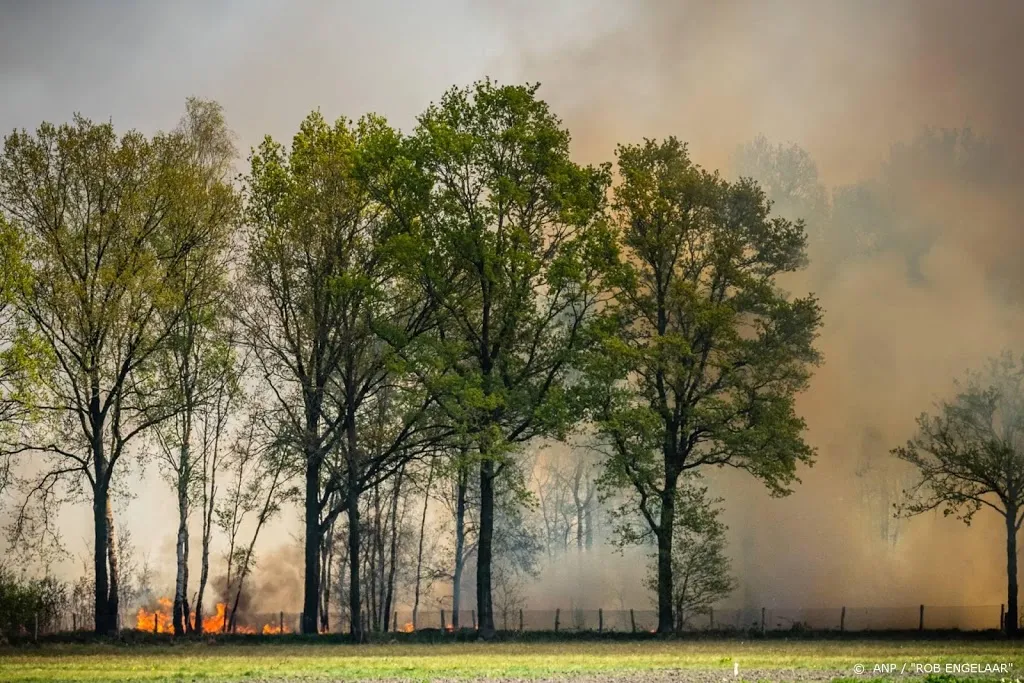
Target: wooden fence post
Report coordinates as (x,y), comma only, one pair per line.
(1002,616)
(520,619)
(600,620)
(156,622)
(394,622)
(74,621)
(632,620)
(473,613)
(35,627)
(302,618)
(443,625)
(280,622)
(842,619)
(920,619)
(558,613)
(762,620)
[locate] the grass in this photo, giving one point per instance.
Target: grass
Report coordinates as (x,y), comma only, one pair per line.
(423,662)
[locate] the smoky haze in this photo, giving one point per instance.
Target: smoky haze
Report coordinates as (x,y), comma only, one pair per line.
(847,81)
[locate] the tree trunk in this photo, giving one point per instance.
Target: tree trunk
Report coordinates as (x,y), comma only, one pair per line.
(354,600)
(393,559)
(589,521)
(485,612)
(114,595)
(204,574)
(376,569)
(579,527)
(419,551)
(181,546)
(204,570)
(313,542)
(102,588)
(460,542)
(326,566)
(1012,614)
(664,534)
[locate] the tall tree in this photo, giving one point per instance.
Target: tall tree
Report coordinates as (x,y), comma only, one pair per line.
(325,311)
(702,354)
(198,357)
(516,251)
(98,212)
(970,455)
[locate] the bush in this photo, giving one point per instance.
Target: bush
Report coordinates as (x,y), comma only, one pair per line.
(23,601)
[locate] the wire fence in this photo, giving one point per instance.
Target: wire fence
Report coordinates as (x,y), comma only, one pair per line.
(920,617)
(768,619)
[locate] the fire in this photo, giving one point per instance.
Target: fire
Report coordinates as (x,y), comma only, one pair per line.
(160,620)
(215,623)
(274,629)
(407,627)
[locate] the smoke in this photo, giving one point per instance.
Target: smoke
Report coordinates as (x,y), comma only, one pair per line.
(856,84)
(848,81)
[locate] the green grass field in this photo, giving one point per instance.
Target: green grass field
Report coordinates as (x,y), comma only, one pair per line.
(690,660)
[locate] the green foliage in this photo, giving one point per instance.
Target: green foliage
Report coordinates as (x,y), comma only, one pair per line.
(516,251)
(24,601)
(701,354)
(21,353)
(324,285)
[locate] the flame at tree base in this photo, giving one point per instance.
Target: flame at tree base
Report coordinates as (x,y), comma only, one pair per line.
(160,620)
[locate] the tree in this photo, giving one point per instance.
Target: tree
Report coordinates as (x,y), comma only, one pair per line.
(970,455)
(198,359)
(327,307)
(99,214)
(789,177)
(700,567)
(516,248)
(700,355)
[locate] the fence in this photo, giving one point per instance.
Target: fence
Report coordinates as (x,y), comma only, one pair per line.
(843,619)
(920,617)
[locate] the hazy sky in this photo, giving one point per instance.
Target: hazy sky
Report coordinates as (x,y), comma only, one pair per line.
(844,79)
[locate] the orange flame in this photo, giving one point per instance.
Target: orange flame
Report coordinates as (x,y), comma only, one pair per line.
(407,627)
(215,622)
(275,629)
(159,620)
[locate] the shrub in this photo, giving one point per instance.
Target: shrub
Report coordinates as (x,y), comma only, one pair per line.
(22,601)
